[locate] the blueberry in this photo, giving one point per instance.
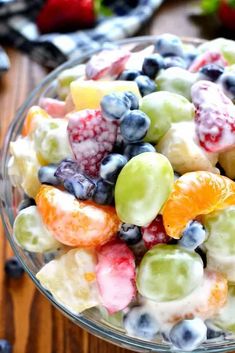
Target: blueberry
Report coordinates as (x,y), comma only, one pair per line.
(193,235)
(26,202)
(211,72)
(111,166)
(200,252)
(138,250)
(168,44)
(115,105)
(80,186)
(129,75)
(46,175)
(213,331)
(67,169)
(133,149)
(134,126)
(175,61)
(187,335)
(146,85)
(13,268)
(119,144)
(190,54)
(152,65)
(5,346)
(228,83)
(130,233)
(103,194)
(133,99)
(140,323)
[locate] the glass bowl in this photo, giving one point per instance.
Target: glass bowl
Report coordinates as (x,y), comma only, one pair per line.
(91,319)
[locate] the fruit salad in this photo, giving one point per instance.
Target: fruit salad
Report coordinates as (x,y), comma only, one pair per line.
(128,172)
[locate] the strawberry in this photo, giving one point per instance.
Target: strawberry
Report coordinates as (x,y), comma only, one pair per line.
(215,117)
(226,13)
(57,15)
(115,273)
(208,57)
(155,233)
(225,10)
(91,138)
(107,63)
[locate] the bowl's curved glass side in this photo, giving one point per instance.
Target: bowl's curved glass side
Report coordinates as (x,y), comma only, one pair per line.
(91,320)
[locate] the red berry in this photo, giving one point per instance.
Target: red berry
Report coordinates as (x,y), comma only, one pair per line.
(207,58)
(58,15)
(215,117)
(107,63)
(115,275)
(226,14)
(155,233)
(91,138)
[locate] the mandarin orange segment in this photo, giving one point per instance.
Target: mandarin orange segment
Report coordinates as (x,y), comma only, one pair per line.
(195,194)
(218,294)
(34,113)
(76,223)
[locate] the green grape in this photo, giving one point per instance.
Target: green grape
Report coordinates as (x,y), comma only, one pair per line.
(164,108)
(169,272)
(220,226)
(71,280)
(142,187)
(115,319)
(176,80)
(225,46)
(30,232)
(51,140)
(66,77)
(226,317)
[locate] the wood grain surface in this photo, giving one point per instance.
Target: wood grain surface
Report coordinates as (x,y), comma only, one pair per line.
(27,319)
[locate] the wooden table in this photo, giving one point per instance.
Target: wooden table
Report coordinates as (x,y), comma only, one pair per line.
(27,319)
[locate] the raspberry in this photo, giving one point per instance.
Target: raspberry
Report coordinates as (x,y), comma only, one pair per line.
(207,58)
(107,63)
(215,117)
(91,138)
(115,275)
(155,233)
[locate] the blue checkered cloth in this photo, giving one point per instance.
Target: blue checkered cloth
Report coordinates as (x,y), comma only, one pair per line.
(18,28)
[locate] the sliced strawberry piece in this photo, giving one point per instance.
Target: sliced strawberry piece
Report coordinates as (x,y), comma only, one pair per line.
(107,63)
(115,273)
(54,107)
(215,117)
(208,57)
(91,138)
(155,233)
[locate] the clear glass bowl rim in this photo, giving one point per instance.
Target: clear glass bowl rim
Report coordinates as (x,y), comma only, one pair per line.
(108,334)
